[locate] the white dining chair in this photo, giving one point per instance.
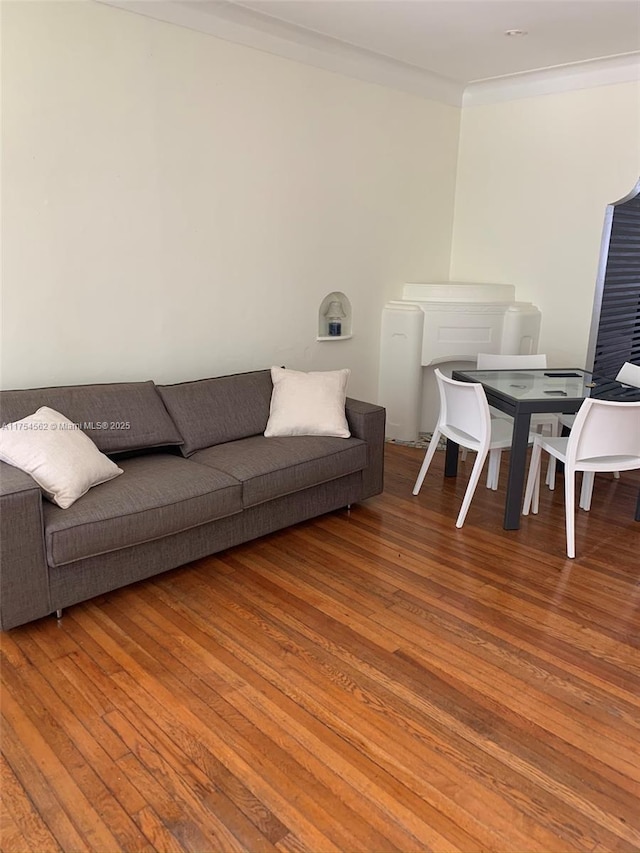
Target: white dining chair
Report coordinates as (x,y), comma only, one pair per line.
(629,374)
(464,419)
(504,361)
(543,422)
(605,437)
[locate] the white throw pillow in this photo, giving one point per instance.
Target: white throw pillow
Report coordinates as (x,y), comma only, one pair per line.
(308,403)
(63,461)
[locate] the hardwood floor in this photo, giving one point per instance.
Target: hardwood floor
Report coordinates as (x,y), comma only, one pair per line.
(368,681)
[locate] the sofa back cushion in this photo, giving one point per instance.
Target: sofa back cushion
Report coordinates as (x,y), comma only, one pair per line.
(118,417)
(212,411)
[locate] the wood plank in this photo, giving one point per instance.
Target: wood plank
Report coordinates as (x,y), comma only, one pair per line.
(156,831)
(25,821)
(11,839)
(42,788)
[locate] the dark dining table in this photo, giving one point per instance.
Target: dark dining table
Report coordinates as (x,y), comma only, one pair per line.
(521,393)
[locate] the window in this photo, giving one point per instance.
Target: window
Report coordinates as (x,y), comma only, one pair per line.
(615,324)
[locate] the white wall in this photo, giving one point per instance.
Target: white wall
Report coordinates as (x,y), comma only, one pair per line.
(177,206)
(534,178)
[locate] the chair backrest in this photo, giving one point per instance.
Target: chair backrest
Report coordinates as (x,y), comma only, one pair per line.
(463,409)
(499,361)
(629,374)
(604,428)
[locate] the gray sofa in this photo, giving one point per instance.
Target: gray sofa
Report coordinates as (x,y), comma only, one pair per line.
(199,477)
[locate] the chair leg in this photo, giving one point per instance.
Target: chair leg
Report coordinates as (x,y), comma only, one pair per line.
(532,491)
(490,471)
(463,453)
(493,469)
(586,490)
(428,456)
(497,456)
(570,510)
(471,487)
(551,467)
(551,473)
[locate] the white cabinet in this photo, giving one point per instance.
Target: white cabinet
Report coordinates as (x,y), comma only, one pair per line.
(438,323)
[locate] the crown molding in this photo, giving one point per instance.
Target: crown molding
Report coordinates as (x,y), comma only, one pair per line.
(241,25)
(549,81)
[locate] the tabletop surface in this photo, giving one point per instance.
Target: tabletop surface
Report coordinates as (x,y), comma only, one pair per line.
(551,384)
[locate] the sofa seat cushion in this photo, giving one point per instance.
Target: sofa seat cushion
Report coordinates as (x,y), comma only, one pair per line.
(272,467)
(158,495)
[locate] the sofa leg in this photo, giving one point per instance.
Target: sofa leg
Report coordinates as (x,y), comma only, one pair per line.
(59,614)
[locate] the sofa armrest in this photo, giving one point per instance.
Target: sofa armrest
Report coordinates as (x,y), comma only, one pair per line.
(24,575)
(367,422)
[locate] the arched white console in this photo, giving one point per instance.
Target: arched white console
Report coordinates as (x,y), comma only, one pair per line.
(444,324)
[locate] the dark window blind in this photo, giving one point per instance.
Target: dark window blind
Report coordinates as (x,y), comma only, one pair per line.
(617,323)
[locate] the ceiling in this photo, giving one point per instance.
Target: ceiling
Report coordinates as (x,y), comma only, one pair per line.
(455,43)
(464,40)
